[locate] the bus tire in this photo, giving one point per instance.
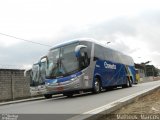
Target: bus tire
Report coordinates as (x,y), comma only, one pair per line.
(97,86)
(128,84)
(131,82)
(48,96)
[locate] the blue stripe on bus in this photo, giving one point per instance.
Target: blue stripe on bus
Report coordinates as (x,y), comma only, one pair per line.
(63,79)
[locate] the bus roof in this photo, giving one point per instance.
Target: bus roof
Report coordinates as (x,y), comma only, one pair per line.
(84,39)
(73,41)
(78,40)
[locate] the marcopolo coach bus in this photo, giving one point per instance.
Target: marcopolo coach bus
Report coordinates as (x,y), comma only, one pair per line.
(86,65)
(36,75)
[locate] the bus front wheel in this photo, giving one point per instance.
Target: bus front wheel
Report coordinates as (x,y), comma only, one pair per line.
(48,96)
(68,94)
(97,86)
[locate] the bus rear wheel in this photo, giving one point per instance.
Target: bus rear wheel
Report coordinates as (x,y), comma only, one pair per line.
(97,86)
(128,83)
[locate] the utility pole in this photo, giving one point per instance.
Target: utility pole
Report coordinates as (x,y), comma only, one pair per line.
(144,65)
(107,43)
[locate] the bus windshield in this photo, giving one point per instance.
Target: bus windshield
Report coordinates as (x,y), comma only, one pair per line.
(62,61)
(35,74)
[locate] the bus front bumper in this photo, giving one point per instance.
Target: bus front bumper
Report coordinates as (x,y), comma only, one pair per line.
(58,88)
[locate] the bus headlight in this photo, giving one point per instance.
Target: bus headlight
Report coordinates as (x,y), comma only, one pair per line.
(76,78)
(47,84)
(73,79)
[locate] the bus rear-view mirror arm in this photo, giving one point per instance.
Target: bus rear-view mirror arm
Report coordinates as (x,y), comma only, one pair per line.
(78,50)
(95,58)
(44,57)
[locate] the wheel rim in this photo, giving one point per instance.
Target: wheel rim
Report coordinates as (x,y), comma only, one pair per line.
(127,83)
(97,86)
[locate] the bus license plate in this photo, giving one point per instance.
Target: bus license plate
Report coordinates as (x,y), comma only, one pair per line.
(60,88)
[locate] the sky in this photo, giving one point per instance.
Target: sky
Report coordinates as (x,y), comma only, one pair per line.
(131,26)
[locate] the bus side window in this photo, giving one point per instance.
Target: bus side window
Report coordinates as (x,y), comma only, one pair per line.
(108,54)
(98,53)
(118,58)
(115,57)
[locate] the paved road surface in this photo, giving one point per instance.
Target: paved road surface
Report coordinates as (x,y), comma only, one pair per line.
(76,105)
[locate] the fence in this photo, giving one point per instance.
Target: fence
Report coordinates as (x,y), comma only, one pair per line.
(13,84)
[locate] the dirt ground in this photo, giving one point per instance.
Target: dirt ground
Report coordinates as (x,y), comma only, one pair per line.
(147,105)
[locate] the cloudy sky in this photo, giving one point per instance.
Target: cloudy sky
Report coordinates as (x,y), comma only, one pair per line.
(132,26)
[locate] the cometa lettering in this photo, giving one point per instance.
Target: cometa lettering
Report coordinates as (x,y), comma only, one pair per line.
(109,66)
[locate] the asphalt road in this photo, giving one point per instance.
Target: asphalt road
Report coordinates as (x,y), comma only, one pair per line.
(72,106)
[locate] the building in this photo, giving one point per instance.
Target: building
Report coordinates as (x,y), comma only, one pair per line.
(141,69)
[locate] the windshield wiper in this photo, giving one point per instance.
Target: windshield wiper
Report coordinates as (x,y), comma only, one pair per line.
(72,72)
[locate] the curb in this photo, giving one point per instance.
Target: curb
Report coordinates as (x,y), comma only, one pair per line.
(111,107)
(27,100)
(20,101)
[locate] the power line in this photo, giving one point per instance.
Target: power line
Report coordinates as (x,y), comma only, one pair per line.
(25,40)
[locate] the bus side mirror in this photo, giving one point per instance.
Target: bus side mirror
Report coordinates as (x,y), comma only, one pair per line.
(39,63)
(78,50)
(43,59)
(95,58)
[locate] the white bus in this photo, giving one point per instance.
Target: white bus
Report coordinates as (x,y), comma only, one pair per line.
(86,65)
(36,75)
